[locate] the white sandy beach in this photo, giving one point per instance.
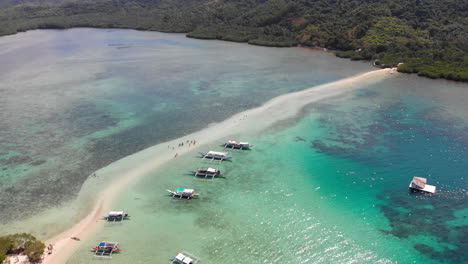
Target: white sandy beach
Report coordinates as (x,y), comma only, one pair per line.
(139,164)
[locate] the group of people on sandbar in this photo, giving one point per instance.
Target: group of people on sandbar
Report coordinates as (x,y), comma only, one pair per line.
(187,143)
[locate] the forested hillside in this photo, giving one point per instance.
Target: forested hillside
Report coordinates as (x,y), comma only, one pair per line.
(429,36)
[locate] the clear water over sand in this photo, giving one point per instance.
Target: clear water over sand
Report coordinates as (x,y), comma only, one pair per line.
(329,186)
(74,101)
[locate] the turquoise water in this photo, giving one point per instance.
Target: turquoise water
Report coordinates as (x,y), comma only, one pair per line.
(73,101)
(328,187)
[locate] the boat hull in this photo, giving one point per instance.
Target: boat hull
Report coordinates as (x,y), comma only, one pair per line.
(205,174)
(107,249)
(233,146)
(183,195)
(214,157)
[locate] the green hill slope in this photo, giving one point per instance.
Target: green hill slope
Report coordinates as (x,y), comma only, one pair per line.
(430,37)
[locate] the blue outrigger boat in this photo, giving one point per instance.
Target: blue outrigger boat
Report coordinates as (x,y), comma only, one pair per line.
(215,155)
(234,144)
(106,249)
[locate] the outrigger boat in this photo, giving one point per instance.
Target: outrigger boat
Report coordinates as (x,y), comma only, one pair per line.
(116,216)
(215,155)
(184,193)
(106,249)
(185,258)
(207,172)
(234,144)
(419,184)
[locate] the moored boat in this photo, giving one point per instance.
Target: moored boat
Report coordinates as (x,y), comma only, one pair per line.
(185,258)
(106,249)
(234,144)
(215,155)
(206,172)
(116,216)
(183,193)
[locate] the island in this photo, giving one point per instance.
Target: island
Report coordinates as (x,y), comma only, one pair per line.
(425,37)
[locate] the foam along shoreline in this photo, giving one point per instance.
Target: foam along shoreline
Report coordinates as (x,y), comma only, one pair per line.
(128,169)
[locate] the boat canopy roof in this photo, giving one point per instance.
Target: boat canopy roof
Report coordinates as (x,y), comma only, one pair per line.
(419,182)
(235,142)
(113,213)
(187,260)
(218,153)
(180,256)
(184,190)
(211,170)
(108,244)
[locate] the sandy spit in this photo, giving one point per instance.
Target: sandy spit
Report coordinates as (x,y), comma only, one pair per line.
(130,168)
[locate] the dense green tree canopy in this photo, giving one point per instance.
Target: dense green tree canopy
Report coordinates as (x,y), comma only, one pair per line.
(429,36)
(21,243)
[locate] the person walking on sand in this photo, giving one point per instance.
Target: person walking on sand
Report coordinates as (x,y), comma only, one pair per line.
(176,155)
(49,249)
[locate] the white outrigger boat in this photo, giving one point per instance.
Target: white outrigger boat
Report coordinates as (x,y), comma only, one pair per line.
(185,258)
(215,155)
(184,193)
(206,172)
(116,216)
(419,184)
(234,144)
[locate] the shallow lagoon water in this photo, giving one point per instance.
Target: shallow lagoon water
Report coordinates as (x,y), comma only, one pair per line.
(73,101)
(329,186)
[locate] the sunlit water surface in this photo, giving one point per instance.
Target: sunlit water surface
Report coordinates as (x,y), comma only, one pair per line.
(73,101)
(330,186)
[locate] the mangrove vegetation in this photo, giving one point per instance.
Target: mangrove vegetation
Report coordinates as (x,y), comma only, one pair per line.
(427,37)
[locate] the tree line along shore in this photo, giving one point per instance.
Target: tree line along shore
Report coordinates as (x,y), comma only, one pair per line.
(428,37)
(25,244)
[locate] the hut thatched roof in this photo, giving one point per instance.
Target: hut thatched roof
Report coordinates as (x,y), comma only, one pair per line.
(419,182)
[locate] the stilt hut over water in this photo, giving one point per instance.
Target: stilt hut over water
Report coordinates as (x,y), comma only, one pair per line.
(419,184)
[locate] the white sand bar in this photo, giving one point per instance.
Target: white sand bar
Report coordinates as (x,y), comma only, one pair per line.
(128,169)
